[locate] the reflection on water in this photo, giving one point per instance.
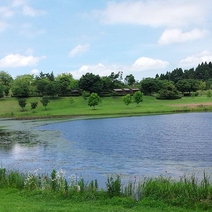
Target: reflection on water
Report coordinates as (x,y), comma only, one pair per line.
(133,146)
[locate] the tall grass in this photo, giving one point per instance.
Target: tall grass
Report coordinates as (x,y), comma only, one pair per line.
(188,191)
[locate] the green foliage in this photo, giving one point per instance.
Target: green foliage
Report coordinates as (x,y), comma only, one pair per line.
(168,91)
(188,192)
(209,94)
(22,86)
(127,99)
(1,91)
(22,102)
(34,105)
(114,186)
(138,97)
(129,79)
(91,83)
(150,85)
(71,100)
(94,100)
(85,95)
(45,101)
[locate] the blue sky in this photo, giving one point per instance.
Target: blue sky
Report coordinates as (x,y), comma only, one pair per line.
(139,37)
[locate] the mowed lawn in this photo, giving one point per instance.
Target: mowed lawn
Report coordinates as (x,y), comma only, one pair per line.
(110,106)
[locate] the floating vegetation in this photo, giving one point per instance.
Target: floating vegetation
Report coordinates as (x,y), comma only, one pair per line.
(10,137)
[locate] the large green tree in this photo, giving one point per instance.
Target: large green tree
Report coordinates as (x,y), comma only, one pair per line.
(91,83)
(150,85)
(22,86)
(169,91)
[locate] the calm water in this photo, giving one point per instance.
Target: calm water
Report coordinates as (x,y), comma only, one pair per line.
(134,146)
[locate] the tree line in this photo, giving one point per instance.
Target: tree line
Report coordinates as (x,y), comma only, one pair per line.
(168,86)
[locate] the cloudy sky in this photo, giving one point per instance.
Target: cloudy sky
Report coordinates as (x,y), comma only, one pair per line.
(139,37)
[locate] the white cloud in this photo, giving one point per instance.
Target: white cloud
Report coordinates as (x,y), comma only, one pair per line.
(17,3)
(29,31)
(29,11)
(142,64)
(99,69)
(194,60)
(145,63)
(156,13)
(177,36)
(79,50)
(17,60)
(35,71)
(3,26)
(5,12)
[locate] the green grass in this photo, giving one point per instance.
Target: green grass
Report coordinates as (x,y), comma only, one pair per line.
(110,106)
(24,201)
(35,192)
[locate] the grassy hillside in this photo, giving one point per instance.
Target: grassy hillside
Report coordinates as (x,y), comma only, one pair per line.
(110,106)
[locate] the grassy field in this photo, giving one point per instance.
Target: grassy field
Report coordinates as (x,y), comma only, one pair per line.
(110,106)
(162,197)
(13,200)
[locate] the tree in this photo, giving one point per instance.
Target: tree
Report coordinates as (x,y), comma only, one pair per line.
(150,85)
(34,105)
(168,91)
(1,91)
(138,97)
(22,86)
(6,81)
(91,83)
(127,99)
(94,100)
(22,103)
(66,83)
(44,101)
(130,79)
(183,86)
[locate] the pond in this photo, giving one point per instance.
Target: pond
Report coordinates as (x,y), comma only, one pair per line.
(172,145)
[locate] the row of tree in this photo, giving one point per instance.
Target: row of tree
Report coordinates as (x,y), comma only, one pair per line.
(166,85)
(46,84)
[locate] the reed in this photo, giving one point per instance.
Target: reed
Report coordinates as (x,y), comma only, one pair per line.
(188,191)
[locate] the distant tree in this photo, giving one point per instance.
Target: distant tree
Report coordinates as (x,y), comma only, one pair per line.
(138,97)
(22,86)
(209,94)
(183,86)
(130,79)
(91,83)
(45,101)
(150,85)
(169,91)
(127,99)
(52,88)
(22,103)
(94,100)
(1,91)
(85,95)
(116,79)
(6,81)
(34,105)
(66,83)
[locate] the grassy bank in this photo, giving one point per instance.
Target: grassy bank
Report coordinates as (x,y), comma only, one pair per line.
(110,106)
(33,192)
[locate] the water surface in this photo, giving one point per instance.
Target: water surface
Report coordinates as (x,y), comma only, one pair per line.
(172,145)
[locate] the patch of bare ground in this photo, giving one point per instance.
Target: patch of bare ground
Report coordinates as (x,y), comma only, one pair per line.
(192,105)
